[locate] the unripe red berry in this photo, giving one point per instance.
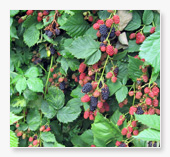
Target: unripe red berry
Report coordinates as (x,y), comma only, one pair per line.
(50,79)
(117,33)
(19,133)
(45,12)
(135,132)
(152,30)
(125,101)
(109,75)
(106,107)
(98,34)
(48,129)
(155,102)
(42,128)
(96,93)
(85,98)
(124,131)
(114,79)
(17,125)
(52,69)
(30,139)
(35,142)
(130,129)
(134,123)
(90,18)
(93,145)
(147,90)
(100,104)
(61,79)
(29,12)
(101,22)
(121,104)
(96,26)
(109,23)
(55,76)
(120,122)
(128,135)
(86,114)
(39,19)
(118,143)
(116,19)
(131,93)
(91,117)
(148,101)
(132,110)
(132,36)
(151,94)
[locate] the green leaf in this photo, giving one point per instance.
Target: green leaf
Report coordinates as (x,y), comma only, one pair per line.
(23,126)
(68,113)
(152,121)
(135,23)
(123,71)
(64,64)
(120,55)
(29,95)
(84,140)
(115,117)
(148,135)
(30,20)
(91,32)
(76,93)
(50,40)
(94,58)
(147,29)
(113,87)
(121,94)
(51,18)
(150,51)
(156,19)
(18,101)
(13,139)
(47,110)
(32,72)
(21,84)
(13,32)
(139,143)
(11,21)
(13,12)
(75,25)
(104,130)
(133,68)
(76,102)
(133,47)
(73,64)
(33,119)
(147,17)
(103,14)
(55,97)
(62,19)
(47,137)
(154,77)
(31,35)
(14,118)
(35,84)
(83,47)
(43,53)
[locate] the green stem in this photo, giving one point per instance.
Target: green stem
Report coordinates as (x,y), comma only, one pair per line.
(42,67)
(134,95)
(48,74)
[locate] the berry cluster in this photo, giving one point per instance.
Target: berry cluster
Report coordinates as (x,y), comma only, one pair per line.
(52,30)
(112,74)
(42,14)
(120,144)
(88,16)
(121,104)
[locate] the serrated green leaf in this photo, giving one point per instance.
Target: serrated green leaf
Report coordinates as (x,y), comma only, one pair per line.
(139,143)
(18,101)
(120,55)
(13,12)
(156,19)
(13,32)
(32,72)
(43,53)
(30,20)
(11,21)
(135,23)
(148,135)
(152,121)
(21,84)
(75,25)
(73,64)
(62,19)
(121,94)
(104,130)
(103,14)
(31,35)
(154,77)
(115,117)
(35,84)
(23,126)
(13,139)
(150,51)
(113,87)
(55,97)
(83,47)
(76,93)
(68,113)
(50,19)
(74,102)
(147,29)
(133,47)
(48,110)
(33,119)
(94,58)
(91,32)
(64,64)
(50,40)
(147,17)
(47,137)
(133,68)
(29,95)
(123,71)
(14,118)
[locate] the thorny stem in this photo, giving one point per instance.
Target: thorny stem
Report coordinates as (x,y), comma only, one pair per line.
(48,74)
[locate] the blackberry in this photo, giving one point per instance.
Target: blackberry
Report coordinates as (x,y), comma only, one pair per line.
(105,93)
(139,110)
(112,34)
(46,32)
(103,38)
(102,44)
(52,50)
(49,34)
(152,144)
(62,85)
(122,145)
(100,84)
(87,88)
(103,29)
(35,137)
(93,101)
(93,77)
(57,31)
(155,144)
(37,60)
(92,108)
(116,70)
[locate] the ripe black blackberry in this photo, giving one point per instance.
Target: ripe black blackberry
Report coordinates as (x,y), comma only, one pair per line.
(49,34)
(103,38)
(35,137)
(112,34)
(93,101)
(57,31)
(116,70)
(92,108)
(103,29)
(152,144)
(100,84)
(122,145)
(87,88)
(52,50)
(102,44)
(62,85)
(105,93)
(139,110)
